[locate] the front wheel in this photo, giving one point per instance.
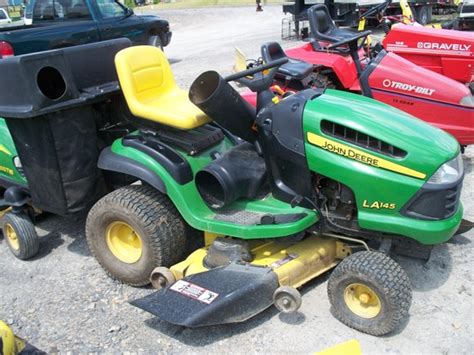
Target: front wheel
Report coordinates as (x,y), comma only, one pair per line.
(133,230)
(370,292)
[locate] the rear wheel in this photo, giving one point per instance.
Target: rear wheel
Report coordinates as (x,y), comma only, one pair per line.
(424,14)
(133,230)
(370,292)
(20,235)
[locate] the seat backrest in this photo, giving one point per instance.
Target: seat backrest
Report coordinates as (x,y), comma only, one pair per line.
(320,22)
(272,51)
(144,73)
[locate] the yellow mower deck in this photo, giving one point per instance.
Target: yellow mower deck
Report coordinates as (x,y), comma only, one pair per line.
(294,263)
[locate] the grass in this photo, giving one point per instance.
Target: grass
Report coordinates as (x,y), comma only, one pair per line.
(181,4)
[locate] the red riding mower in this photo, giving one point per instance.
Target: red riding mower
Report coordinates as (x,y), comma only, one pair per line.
(338,59)
(446,52)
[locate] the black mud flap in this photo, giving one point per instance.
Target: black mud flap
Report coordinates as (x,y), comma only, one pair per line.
(229,294)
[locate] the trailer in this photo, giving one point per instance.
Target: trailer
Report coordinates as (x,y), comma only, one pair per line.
(347,12)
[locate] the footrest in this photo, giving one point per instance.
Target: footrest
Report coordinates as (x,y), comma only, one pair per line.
(249,218)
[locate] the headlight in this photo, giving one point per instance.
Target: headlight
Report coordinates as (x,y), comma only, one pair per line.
(448,172)
(18,166)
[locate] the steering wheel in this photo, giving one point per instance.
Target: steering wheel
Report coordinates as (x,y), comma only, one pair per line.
(349,40)
(255,78)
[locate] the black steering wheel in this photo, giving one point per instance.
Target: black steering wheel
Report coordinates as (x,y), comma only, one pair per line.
(255,78)
(350,40)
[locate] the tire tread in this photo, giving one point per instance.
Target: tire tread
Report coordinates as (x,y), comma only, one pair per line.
(26,234)
(158,217)
(387,274)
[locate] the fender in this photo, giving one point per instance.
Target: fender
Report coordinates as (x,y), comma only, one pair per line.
(139,162)
(343,66)
(111,161)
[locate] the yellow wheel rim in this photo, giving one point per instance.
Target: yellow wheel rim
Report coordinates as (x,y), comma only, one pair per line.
(12,237)
(362,300)
(124,242)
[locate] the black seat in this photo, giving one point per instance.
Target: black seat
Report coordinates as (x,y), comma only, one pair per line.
(294,68)
(323,27)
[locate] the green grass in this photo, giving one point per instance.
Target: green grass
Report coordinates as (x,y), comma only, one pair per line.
(181,4)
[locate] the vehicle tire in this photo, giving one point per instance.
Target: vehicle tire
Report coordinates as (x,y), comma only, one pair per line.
(155,41)
(321,81)
(133,230)
(424,14)
(370,292)
(20,234)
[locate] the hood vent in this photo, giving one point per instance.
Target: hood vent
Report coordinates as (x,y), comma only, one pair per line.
(360,139)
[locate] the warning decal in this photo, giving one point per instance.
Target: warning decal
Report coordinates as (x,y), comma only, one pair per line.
(193,291)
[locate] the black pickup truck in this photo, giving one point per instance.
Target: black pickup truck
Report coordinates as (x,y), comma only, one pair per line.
(54,24)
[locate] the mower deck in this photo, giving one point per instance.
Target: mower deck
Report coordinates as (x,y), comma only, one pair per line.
(227,294)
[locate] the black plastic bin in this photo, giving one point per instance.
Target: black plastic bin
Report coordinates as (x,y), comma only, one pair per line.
(55,104)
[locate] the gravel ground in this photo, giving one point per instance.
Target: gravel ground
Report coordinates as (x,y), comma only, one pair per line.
(63,301)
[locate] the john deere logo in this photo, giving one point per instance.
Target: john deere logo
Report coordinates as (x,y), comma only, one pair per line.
(361,156)
(350,153)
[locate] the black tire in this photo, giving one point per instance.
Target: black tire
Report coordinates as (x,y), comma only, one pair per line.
(384,277)
(153,216)
(424,14)
(321,81)
(155,41)
(25,244)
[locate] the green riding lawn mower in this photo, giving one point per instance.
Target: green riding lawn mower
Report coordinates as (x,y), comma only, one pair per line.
(233,210)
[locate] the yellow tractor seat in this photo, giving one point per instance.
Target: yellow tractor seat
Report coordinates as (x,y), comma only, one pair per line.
(151,92)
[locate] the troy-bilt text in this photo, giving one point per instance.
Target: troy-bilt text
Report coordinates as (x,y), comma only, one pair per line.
(407,87)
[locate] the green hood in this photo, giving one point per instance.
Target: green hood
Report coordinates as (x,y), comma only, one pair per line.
(427,147)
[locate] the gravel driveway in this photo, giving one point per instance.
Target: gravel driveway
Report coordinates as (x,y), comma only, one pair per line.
(63,301)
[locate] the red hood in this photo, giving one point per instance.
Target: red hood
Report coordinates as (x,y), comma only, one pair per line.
(398,75)
(430,41)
